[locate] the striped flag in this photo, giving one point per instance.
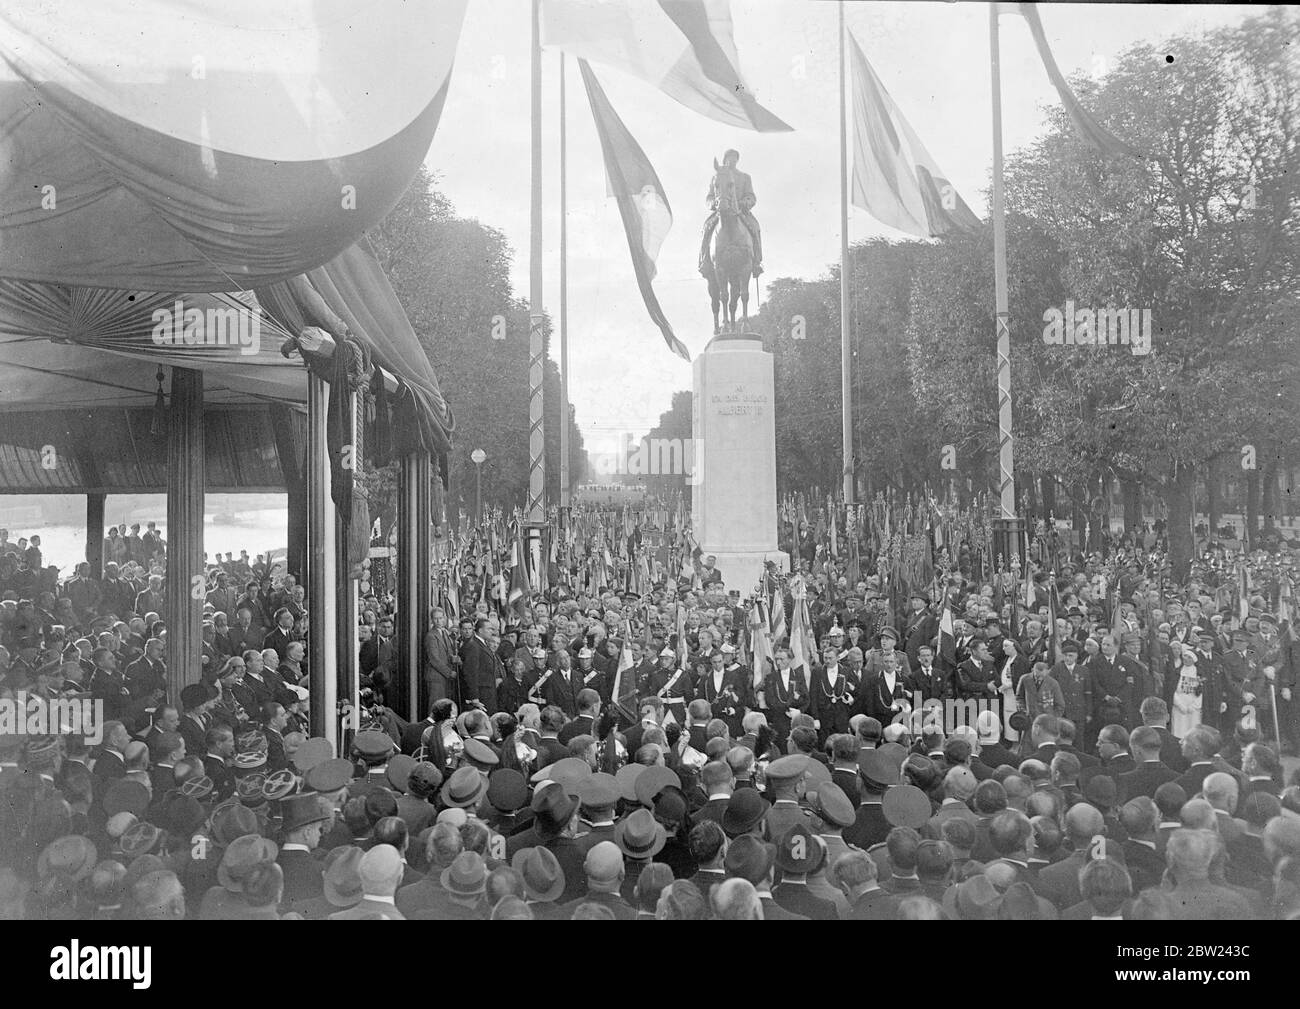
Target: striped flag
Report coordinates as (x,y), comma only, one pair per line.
(894,178)
(517,597)
(760,640)
(1243,593)
(642,203)
(802,648)
(686,48)
(1085,125)
(947,639)
(623,690)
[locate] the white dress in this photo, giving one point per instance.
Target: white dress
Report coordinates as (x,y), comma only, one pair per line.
(1187,703)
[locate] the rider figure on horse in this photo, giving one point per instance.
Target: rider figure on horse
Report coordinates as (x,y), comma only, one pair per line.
(745,198)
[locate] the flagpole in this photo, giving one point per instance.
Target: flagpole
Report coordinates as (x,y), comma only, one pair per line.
(1007,525)
(536,343)
(846,387)
(566,493)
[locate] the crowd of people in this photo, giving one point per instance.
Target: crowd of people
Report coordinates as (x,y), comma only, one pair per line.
(1094,742)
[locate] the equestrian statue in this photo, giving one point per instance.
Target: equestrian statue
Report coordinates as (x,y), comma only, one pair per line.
(737,253)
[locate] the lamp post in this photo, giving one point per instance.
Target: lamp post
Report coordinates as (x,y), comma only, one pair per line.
(479,457)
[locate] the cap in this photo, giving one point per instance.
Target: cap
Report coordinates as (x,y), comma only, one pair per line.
(478,752)
(507,790)
(398,772)
(312,752)
(654,780)
(831,803)
(905,806)
(329,775)
(599,790)
(372,745)
(786,768)
(626,778)
(878,769)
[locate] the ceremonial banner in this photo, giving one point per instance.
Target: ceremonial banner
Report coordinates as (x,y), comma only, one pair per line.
(685,48)
(642,203)
(1087,127)
(894,178)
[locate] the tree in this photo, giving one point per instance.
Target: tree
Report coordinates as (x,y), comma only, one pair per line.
(452,277)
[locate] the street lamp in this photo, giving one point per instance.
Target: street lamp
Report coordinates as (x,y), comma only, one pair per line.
(479,457)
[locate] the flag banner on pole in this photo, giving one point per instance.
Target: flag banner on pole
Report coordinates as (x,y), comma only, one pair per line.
(642,203)
(760,640)
(947,640)
(1085,125)
(624,690)
(894,178)
(519,587)
(686,48)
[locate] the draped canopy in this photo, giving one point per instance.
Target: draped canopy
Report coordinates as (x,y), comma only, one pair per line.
(227,146)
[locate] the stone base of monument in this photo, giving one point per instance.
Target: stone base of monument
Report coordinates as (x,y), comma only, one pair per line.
(733,492)
(743,571)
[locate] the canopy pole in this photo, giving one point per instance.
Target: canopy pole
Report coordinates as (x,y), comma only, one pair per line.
(322,569)
(412,579)
(536,342)
(186,582)
(846,357)
(95,534)
(566,492)
(1007,539)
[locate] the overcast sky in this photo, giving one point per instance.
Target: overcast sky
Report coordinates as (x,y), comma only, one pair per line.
(933,59)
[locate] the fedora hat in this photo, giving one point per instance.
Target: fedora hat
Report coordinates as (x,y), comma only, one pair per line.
(464,788)
(72,857)
(974,899)
(466,876)
(342,877)
(541,872)
(744,809)
(240,857)
(232,821)
(552,807)
(300,810)
(640,835)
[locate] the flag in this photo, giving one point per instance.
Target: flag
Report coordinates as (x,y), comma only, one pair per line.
(802,647)
(682,647)
(760,641)
(778,615)
(1243,594)
(642,203)
(1086,126)
(947,639)
(623,690)
(894,178)
(517,598)
(686,48)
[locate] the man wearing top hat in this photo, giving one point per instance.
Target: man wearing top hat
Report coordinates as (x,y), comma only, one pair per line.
(305,820)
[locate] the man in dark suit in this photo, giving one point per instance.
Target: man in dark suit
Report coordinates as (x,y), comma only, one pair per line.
(585,722)
(1059,882)
(1145,865)
(218,755)
(1155,715)
(111,762)
(754,860)
(245,634)
(708,847)
(440,660)
(549,748)
(799,855)
(920,628)
(480,669)
(282,634)
(855,874)
(718,782)
(1199,747)
(975,676)
(305,820)
(1150,773)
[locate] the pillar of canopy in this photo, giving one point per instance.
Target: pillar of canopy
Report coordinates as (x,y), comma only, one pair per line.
(186,479)
(413,511)
(95,534)
(322,570)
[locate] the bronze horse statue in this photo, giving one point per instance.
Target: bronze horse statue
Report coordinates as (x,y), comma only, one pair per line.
(732,263)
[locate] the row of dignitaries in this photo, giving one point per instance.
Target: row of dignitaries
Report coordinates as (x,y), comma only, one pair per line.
(538,815)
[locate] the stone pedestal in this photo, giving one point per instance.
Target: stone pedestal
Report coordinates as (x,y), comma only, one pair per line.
(733,482)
